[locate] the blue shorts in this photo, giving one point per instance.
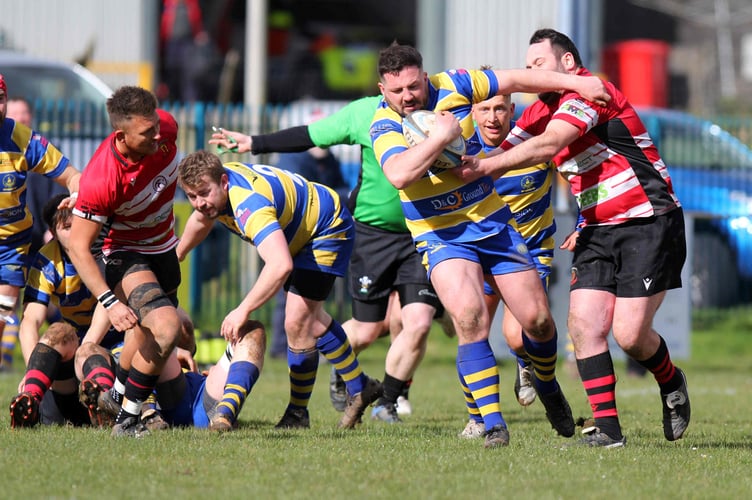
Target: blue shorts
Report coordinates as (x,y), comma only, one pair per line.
(503,253)
(329,251)
(542,260)
(14,263)
(190,410)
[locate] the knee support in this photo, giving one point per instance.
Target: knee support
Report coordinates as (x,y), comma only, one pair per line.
(147,297)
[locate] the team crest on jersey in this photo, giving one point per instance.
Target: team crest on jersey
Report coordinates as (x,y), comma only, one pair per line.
(527,184)
(9,182)
(159,184)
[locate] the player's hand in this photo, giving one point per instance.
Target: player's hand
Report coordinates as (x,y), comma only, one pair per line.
(469,169)
(68,202)
(447,127)
(186,360)
(232,324)
(122,317)
(594,90)
(570,241)
(230,140)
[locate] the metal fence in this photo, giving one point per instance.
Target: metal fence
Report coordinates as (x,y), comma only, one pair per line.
(710,162)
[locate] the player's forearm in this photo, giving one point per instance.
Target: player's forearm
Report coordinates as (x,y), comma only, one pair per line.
(270,280)
(28,332)
(289,140)
(407,167)
(197,228)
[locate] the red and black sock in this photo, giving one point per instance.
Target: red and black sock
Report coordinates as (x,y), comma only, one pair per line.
(42,370)
(99,369)
(663,369)
(599,380)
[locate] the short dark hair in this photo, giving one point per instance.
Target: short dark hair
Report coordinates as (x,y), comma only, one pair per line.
(396,57)
(129,101)
(196,165)
(558,40)
(52,216)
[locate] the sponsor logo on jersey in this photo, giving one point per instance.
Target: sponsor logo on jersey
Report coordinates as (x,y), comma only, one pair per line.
(456,199)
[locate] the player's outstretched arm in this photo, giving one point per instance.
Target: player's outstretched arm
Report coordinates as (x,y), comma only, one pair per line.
(197,228)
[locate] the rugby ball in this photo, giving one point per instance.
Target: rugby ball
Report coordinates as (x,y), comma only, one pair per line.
(418,125)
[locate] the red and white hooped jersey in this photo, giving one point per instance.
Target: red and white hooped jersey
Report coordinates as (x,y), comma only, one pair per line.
(134,200)
(614,169)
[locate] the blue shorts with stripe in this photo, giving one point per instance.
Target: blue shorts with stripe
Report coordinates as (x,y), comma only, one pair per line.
(502,253)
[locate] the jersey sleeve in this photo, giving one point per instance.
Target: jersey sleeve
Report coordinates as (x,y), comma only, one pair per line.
(347,126)
(254,214)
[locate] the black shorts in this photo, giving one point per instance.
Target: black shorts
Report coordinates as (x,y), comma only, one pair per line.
(312,285)
(383,261)
(638,258)
(165,267)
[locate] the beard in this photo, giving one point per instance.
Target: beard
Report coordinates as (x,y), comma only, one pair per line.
(549,97)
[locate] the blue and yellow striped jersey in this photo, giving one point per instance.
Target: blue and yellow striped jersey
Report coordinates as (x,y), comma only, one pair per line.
(528,192)
(440,206)
(22,150)
(53,279)
(264,198)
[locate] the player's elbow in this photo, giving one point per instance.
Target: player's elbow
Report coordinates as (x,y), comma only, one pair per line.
(397,177)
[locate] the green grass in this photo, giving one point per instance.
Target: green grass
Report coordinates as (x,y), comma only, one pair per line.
(423,458)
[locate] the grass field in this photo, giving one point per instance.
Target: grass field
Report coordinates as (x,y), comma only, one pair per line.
(423,458)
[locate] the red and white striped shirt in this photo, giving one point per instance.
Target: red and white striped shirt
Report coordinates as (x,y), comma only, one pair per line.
(134,200)
(614,169)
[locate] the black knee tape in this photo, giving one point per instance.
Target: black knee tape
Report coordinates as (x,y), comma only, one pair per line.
(147,297)
(171,392)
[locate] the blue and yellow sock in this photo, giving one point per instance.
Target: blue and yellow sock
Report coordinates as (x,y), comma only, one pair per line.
(477,367)
(302,368)
(9,341)
(472,408)
(337,350)
(543,356)
(240,379)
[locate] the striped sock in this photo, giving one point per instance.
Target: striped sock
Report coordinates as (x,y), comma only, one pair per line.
(42,370)
(337,350)
(9,341)
(663,369)
(599,380)
(472,408)
(118,388)
(240,379)
(99,369)
(543,356)
(302,368)
(477,367)
(138,387)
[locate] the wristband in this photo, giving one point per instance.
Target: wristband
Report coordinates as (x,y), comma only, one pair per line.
(107,299)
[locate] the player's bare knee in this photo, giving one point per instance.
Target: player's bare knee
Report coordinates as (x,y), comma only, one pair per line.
(540,327)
